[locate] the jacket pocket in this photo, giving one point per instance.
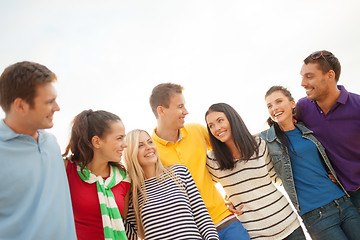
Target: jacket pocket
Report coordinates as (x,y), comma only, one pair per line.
(276,158)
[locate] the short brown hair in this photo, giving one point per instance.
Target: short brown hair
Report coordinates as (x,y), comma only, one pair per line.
(20,80)
(161,95)
(327,62)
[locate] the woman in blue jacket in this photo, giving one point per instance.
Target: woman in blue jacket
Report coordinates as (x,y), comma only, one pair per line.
(301,163)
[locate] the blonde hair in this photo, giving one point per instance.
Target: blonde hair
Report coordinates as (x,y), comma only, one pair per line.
(138,178)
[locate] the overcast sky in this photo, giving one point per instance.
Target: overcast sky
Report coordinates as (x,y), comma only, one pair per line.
(110,54)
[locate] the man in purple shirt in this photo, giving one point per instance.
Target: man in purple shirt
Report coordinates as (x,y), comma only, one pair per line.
(333,114)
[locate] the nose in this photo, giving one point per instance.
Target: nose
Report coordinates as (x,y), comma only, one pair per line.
(274,108)
(217,127)
(303,82)
(185,112)
(124,144)
(56,107)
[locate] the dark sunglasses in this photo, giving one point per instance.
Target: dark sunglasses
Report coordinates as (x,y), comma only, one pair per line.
(318,54)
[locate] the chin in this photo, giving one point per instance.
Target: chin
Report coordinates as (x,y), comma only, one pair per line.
(47,126)
(311,97)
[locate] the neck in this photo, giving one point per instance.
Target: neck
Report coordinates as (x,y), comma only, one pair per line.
(19,128)
(99,168)
(329,100)
(149,171)
(288,125)
(168,134)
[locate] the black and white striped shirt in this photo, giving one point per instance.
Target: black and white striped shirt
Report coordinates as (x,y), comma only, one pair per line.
(170,213)
(267,213)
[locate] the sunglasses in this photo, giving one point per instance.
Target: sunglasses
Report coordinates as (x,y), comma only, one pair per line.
(318,54)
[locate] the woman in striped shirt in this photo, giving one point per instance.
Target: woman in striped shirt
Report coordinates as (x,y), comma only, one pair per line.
(165,202)
(240,163)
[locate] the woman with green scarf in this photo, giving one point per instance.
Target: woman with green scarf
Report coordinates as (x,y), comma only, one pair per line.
(99,184)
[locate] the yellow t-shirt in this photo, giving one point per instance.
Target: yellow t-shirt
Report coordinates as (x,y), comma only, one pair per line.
(191,151)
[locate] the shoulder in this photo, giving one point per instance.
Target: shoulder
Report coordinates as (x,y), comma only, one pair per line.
(355,99)
(303,104)
(303,100)
(263,134)
(210,158)
(303,129)
(180,170)
(262,145)
(193,127)
(195,133)
(211,162)
(48,137)
(260,141)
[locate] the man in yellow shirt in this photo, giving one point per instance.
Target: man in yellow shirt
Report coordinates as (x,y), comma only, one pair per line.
(178,143)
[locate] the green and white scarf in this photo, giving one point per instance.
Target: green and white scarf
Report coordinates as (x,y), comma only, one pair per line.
(111,218)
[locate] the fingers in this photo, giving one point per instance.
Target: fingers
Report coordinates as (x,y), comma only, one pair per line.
(232,209)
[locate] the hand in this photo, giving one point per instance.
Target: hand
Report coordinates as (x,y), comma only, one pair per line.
(332,178)
(232,209)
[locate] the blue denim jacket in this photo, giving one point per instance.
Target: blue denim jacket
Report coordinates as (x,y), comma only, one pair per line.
(282,164)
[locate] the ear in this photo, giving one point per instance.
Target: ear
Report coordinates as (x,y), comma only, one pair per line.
(331,75)
(20,105)
(160,110)
(293,104)
(96,142)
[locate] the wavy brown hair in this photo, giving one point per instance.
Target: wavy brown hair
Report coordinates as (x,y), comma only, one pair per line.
(85,126)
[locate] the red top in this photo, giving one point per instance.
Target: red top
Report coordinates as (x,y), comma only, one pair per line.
(86,206)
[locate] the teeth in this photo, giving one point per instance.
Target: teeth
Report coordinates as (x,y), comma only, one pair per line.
(277,114)
(220,134)
(150,154)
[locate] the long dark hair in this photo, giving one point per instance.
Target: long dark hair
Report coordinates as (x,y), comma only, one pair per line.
(245,143)
(85,126)
(281,135)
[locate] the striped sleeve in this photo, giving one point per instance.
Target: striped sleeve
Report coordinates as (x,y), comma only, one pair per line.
(130,222)
(200,213)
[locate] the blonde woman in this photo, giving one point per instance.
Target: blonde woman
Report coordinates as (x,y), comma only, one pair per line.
(165,202)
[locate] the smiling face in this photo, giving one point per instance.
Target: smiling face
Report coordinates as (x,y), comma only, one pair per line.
(147,152)
(314,81)
(40,116)
(111,146)
(280,108)
(219,126)
(175,114)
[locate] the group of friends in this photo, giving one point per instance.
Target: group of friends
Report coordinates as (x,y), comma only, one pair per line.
(118,185)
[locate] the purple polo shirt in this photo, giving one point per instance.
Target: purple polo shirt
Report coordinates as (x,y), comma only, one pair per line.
(339,132)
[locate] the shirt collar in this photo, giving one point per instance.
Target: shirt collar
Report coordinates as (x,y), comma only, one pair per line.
(271,135)
(344,95)
(6,133)
(182,133)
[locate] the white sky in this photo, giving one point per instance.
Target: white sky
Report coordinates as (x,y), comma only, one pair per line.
(110,54)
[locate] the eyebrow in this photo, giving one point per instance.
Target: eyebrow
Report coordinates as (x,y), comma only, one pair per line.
(215,120)
(307,73)
(275,100)
(149,139)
